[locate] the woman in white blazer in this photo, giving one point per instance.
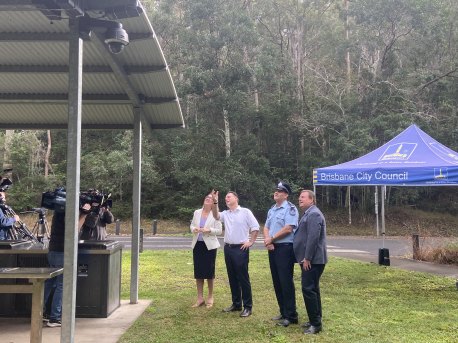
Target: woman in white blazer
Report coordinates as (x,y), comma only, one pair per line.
(205,243)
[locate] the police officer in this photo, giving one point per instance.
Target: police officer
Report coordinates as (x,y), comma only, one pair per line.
(278,238)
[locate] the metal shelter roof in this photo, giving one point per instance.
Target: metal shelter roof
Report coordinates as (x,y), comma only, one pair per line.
(34,65)
(46,74)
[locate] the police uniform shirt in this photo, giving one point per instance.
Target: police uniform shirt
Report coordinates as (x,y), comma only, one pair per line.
(278,217)
(238,224)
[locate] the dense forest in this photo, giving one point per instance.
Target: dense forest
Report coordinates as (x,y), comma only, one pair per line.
(270,89)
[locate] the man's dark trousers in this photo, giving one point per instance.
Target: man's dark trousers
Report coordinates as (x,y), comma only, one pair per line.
(311,292)
(281,261)
(237,271)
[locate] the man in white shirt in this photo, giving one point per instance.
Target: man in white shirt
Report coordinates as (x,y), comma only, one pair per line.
(240,231)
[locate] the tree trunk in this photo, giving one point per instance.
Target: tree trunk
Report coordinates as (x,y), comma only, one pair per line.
(347,50)
(7,163)
(227,133)
(48,154)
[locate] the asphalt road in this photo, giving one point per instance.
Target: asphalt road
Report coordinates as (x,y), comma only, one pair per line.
(358,248)
(345,246)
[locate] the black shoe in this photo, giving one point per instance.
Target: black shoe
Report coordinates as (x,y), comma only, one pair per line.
(313,330)
(285,322)
(279,317)
(306,325)
(246,312)
(45,317)
(232,308)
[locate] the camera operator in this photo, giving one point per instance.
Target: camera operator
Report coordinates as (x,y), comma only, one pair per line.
(95,224)
(6,222)
(56,260)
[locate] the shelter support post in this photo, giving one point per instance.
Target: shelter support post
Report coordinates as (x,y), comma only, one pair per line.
(137,153)
(383,213)
(376,212)
(73,181)
(416,246)
(349,204)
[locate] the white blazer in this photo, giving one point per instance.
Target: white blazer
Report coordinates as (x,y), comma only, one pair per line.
(210,239)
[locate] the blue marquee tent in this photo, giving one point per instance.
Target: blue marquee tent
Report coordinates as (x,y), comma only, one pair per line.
(412,158)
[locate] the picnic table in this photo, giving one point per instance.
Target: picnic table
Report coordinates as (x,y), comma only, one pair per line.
(37,278)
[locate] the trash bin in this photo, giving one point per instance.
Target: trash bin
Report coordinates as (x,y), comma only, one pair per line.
(98,290)
(18,253)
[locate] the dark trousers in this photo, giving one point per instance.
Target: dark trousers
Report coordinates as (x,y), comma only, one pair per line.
(311,292)
(281,261)
(237,271)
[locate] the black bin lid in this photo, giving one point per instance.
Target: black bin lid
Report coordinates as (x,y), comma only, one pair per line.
(97,245)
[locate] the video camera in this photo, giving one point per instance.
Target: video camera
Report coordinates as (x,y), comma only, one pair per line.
(96,199)
(56,200)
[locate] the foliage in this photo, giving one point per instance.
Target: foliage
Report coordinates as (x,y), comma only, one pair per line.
(416,307)
(271,90)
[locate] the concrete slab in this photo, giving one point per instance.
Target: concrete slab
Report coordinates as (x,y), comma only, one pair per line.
(100,330)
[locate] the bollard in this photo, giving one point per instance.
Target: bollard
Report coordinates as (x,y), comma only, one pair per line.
(118,227)
(416,246)
(141,240)
(154,226)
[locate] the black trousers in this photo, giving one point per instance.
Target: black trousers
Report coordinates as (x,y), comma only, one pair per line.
(281,261)
(311,292)
(237,271)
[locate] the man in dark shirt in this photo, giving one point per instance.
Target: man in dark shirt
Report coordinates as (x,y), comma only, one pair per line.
(56,260)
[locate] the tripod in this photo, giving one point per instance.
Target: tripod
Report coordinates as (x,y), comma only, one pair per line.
(19,230)
(41,228)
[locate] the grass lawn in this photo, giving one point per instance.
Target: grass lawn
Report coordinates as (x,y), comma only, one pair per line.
(361,303)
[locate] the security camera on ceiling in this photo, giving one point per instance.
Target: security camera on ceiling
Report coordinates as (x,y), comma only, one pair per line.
(116,38)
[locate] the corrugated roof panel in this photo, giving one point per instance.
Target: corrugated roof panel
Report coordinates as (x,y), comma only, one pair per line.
(159,113)
(33,53)
(142,52)
(57,114)
(33,83)
(31,42)
(30,21)
(151,84)
(101,84)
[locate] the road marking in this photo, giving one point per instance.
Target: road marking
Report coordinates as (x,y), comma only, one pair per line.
(333,248)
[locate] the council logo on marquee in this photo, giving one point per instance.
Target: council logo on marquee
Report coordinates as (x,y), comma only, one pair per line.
(440,173)
(398,152)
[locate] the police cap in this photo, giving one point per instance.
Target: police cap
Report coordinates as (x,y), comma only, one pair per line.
(283,187)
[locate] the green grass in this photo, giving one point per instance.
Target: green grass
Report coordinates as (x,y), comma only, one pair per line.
(361,303)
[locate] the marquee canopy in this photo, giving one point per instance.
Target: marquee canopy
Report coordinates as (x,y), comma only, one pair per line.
(412,158)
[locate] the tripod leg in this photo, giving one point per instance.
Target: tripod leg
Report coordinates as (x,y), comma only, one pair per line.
(48,232)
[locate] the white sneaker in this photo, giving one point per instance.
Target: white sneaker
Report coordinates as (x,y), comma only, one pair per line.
(54,323)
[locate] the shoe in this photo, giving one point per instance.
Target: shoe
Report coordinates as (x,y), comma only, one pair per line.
(306,325)
(313,330)
(54,323)
(45,317)
(199,304)
(279,317)
(232,308)
(246,312)
(285,322)
(209,304)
